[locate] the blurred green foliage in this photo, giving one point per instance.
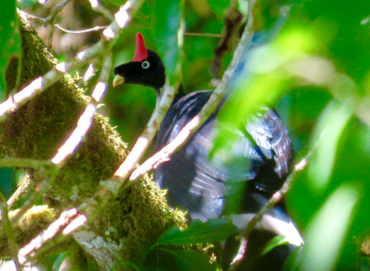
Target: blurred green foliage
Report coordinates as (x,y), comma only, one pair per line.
(9,40)
(312,64)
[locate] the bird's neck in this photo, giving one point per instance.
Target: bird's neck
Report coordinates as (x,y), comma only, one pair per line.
(179,94)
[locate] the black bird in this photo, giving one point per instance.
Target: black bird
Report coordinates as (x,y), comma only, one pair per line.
(255,166)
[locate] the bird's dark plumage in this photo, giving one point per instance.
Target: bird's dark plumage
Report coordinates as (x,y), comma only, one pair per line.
(256,164)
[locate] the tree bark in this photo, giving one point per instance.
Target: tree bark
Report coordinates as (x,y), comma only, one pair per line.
(132,221)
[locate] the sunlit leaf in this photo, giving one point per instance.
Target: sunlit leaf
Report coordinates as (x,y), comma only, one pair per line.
(262,79)
(214,230)
(58,262)
(243,7)
(274,242)
(327,231)
(325,140)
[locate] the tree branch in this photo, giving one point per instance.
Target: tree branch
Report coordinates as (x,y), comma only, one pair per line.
(210,107)
(36,130)
(9,231)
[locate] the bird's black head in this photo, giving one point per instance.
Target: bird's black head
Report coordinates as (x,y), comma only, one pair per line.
(145,69)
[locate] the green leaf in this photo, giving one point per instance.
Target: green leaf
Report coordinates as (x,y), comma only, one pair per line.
(27,3)
(167,17)
(327,230)
(214,230)
(190,260)
(291,262)
(274,242)
(58,262)
(261,79)
(219,6)
(327,134)
(9,39)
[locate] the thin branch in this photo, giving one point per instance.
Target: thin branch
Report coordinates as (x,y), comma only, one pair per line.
(41,83)
(47,20)
(37,86)
(148,134)
(58,8)
(51,18)
(26,162)
(152,127)
(50,169)
(53,230)
(86,119)
(232,19)
(39,191)
(23,189)
(210,107)
(276,197)
(208,35)
(89,74)
(96,28)
(9,231)
(95,4)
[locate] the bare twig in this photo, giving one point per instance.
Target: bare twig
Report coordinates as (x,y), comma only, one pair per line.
(39,191)
(95,4)
(152,127)
(23,188)
(53,230)
(50,20)
(86,119)
(96,28)
(147,135)
(25,162)
(37,86)
(208,35)
(89,74)
(232,19)
(50,171)
(122,17)
(276,197)
(9,231)
(217,95)
(41,83)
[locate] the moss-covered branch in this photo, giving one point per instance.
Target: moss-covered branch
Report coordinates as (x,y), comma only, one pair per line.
(133,220)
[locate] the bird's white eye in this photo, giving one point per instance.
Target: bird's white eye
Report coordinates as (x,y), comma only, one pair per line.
(145,64)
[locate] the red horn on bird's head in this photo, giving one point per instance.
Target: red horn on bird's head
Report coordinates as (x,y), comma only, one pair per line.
(141,52)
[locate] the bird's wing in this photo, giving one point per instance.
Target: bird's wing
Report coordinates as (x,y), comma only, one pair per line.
(198,184)
(272,138)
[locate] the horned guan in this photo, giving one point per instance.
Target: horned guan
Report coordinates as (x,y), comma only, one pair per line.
(254,167)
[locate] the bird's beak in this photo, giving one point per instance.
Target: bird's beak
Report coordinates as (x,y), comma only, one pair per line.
(118,79)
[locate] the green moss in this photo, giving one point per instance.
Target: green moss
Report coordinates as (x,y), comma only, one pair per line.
(34,220)
(138,215)
(143,217)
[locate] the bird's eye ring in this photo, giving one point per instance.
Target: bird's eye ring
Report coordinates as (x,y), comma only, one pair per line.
(145,64)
